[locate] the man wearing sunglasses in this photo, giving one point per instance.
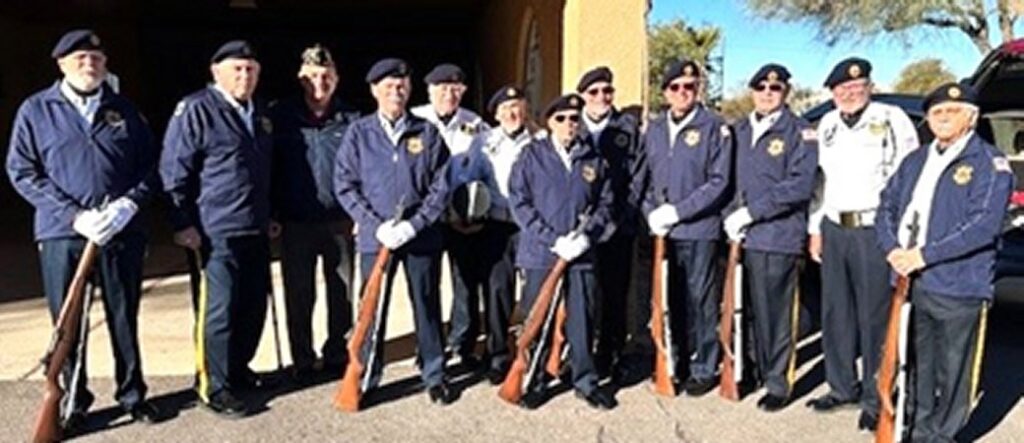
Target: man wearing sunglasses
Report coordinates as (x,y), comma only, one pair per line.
(616,136)
(776,159)
(558,182)
(861,144)
(446,84)
(689,156)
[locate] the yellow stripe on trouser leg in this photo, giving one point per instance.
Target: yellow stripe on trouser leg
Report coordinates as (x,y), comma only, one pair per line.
(200,334)
(979,352)
(794,331)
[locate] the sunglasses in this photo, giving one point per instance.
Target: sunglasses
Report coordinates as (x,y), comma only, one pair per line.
(690,86)
(774,87)
(607,90)
(561,118)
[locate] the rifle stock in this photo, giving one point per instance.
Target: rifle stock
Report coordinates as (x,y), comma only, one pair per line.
(727,386)
(663,361)
(512,388)
(47,427)
(554,364)
(349,389)
(885,433)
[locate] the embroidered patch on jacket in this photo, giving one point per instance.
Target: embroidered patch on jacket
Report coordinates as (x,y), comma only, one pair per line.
(775,147)
(692,137)
(963,174)
(588,173)
(414,145)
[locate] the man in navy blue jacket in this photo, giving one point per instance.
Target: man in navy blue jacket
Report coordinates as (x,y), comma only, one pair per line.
(557,179)
(939,222)
(307,134)
(216,170)
(776,159)
(394,161)
(84,158)
(689,156)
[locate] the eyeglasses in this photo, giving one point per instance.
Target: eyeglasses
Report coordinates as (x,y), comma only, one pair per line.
(774,87)
(560,118)
(607,90)
(689,86)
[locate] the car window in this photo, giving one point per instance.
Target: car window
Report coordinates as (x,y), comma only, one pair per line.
(1008,132)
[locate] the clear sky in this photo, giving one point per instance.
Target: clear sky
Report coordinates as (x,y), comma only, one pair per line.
(751,42)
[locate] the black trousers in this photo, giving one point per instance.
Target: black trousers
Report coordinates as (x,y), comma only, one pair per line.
(119,271)
(614,269)
(423,275)
(693,300)
(772,281)
(580,293)
(855,301)
(948,344)
(232,309)
(483,268)
(301,245)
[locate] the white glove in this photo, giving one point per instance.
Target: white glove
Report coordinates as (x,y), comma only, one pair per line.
(571,246)
(115,217)
(662,218)
(386,235)
(737,222)
(88,223)
(404,232)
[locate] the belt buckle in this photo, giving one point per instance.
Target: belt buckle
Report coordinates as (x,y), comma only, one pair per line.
(849,219)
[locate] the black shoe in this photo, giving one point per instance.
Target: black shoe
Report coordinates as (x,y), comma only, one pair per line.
(597,399)
(441,394)
(470,361)
(867,422)
(251,381)
(74,423)
(334,369)
(302,376)
(772,403)
(144,412)
(495,376)
(226,405)
(830,403)
(534,398)
(696,387)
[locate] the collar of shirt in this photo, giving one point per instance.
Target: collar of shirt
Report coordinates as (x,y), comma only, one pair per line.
(758,128)
(243,111)
(86,106)
(563,153)
(674,128)
(393,131)
(595,127)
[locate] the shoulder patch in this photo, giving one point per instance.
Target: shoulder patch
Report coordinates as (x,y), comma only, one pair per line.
(809,135)
(1001,164)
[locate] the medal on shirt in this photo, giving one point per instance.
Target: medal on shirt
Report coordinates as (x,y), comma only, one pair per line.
(588,173)
(963,174)
(775,147)
(113,118)
(877,128)
(692,137)
(414,145)
(268,126)
(468,129)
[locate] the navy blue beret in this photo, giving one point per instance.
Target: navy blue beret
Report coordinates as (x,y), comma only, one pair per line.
(505,93)
(233,49)
(852,68)
(598,74)
(771,72)
(445,73)
(75,40)
(951,92)
(388,67)
(680,68)
(565,102)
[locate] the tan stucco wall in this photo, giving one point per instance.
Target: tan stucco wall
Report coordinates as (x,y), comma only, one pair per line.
(611,33)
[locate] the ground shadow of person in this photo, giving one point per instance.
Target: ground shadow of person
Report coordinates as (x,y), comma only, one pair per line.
(1002,374)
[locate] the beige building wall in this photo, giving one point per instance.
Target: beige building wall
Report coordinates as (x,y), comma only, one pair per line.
(611,33)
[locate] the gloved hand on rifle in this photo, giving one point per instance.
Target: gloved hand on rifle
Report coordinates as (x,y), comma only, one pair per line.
(117,215)
(571,246)
(736,224)
(89,224)
(394,235)
(662,218)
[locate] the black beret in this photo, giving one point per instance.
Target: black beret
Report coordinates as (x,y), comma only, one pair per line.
(233,49)
(852,68)
(567,101)
(505,93)
(388,67)
(771,72)
(78,39)
(317,55)
(951,92)
(445,73)
(678,69)
(599,74)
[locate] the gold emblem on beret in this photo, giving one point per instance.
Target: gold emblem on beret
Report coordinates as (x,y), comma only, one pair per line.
(692,137)
(773,76)
(963,174)
(775,147)
(317,55)
(688,70)
(113,118)
(510,93)
(854,70)
(94,40)
(268,126)
(414,145)
(954,92)
(573,102)
(588,173)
